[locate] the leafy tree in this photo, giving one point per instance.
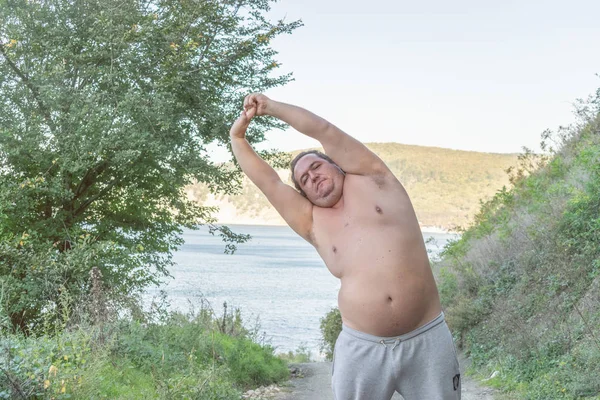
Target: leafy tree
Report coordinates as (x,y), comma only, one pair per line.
(106,108)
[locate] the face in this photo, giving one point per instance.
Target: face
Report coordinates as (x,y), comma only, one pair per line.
(322,181)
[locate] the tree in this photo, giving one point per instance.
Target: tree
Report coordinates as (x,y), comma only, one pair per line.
(106,108)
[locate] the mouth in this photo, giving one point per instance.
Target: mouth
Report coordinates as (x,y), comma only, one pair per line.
(319,184)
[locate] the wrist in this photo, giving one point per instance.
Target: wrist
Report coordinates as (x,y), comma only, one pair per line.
(272,108)
(235,137)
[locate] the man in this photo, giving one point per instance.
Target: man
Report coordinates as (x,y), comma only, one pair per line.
(359,218)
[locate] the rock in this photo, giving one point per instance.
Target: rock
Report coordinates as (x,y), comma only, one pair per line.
(494,374)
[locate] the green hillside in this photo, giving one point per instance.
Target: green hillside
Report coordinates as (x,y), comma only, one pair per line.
(445,185)
(521,288)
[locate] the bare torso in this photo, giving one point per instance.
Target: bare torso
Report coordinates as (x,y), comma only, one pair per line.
(373,243)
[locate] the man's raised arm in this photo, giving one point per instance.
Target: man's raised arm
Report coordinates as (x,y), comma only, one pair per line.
(350,154)
(291,205)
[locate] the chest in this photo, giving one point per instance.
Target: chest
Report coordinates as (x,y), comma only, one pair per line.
(366,203)
(371,214)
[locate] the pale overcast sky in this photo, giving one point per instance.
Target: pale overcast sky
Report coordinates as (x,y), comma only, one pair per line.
(465,74)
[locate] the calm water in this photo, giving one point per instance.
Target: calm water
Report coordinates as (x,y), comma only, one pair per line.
(276,276)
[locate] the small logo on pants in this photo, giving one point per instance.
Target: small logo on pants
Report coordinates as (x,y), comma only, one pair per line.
(456,381)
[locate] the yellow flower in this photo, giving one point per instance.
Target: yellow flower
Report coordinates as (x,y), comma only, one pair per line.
(12,43)
(66,358)
(53,370)
(46,384)
(174,46)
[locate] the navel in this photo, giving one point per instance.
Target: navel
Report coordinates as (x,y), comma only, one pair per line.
(389,298)
(334,249)
(378,209)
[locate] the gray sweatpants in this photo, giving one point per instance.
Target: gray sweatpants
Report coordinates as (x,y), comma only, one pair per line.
(420,365)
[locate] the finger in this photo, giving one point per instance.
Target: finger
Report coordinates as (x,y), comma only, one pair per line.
(252,100)
(246,101)
(251,112)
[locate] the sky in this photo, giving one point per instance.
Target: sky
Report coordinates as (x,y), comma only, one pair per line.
(486,76)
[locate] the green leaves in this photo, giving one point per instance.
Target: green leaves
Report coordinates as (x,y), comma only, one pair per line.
(105,111)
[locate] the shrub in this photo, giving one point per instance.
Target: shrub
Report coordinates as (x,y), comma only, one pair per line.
(520,287)
(300,355)
(182,356)
(331,326)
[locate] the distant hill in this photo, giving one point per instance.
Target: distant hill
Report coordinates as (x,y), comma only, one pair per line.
(445,185)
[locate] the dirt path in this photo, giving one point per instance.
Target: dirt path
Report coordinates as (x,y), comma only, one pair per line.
(315,384)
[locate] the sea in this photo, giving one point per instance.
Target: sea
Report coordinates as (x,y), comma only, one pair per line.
(276,279)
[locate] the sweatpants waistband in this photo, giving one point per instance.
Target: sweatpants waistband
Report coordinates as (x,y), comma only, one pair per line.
(383,339)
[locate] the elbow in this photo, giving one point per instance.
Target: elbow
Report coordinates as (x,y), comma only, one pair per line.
(331,135)
(324,131)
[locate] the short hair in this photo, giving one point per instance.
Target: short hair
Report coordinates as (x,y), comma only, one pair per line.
(302,154)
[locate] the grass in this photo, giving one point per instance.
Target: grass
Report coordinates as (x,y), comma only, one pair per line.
(521,286)
(198,356)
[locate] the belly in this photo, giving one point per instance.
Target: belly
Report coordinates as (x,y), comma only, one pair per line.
(387,287)
(390,300)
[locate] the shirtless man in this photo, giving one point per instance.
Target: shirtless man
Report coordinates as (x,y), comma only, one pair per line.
(358,216)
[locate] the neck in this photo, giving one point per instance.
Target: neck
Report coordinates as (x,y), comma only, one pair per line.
(339,204)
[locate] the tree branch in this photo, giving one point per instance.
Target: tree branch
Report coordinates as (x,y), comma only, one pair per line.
(89,179)
(89,201)
(34,90)
(212,38)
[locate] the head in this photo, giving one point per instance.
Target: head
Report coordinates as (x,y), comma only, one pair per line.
(318,178)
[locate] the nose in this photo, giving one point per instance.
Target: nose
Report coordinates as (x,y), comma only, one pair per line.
(313,176)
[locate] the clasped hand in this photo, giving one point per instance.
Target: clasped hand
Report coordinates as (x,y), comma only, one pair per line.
(254,104)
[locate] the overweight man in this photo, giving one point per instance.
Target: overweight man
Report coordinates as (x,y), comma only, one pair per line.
(356,213)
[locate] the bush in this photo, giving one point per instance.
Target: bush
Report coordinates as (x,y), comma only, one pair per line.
(163,349)
(521,286)
(44,366)
(300,355)
(331,326)
(180,357)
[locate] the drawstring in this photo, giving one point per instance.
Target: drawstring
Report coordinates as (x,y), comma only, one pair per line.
(396,343)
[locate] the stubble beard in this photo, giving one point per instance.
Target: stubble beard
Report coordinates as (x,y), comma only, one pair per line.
(323,199)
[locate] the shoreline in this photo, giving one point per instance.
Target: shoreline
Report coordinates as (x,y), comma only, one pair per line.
(424,228)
